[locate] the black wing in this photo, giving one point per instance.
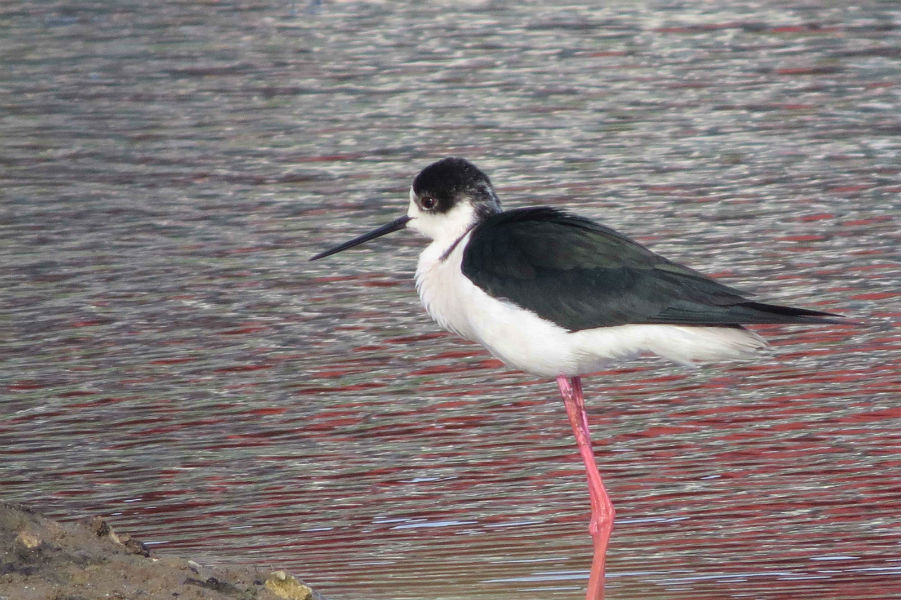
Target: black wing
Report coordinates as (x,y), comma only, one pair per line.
(582,275)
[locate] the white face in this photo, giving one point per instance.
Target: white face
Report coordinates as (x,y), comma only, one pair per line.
(440,226)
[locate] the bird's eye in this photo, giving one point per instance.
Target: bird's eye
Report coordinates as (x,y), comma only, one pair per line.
(427,202)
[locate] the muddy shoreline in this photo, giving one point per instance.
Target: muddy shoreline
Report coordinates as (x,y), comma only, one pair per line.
(42,559)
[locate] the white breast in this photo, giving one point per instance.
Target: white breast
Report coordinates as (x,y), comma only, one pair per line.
(443,289)
(516,336)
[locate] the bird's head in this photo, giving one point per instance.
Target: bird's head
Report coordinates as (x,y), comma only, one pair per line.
(447,199)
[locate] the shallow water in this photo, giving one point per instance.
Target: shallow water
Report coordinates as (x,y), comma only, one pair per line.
(171,359)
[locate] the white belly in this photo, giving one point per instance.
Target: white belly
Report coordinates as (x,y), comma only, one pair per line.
(527,342)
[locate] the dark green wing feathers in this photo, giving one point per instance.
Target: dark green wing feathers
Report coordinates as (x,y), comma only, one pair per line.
(582,275)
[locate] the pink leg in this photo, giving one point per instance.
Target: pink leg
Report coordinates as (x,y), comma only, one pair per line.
(602,512)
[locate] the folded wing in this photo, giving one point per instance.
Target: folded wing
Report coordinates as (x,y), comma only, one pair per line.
(582,275)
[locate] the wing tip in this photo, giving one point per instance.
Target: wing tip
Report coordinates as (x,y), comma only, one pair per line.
(774,313)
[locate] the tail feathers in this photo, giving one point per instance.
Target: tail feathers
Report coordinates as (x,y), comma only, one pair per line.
(688,345)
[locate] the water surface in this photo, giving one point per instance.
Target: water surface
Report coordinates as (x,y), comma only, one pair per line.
(171,360)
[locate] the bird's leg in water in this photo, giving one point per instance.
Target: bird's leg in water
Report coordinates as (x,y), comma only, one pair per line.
(602,512)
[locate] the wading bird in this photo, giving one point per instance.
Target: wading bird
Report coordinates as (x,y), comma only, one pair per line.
(558,295)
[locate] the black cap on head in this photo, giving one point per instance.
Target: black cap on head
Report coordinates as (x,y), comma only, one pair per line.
(451,180)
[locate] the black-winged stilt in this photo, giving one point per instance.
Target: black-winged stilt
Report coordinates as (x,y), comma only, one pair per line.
(561,296)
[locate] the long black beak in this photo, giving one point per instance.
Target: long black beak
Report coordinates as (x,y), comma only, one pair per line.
(383,230)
